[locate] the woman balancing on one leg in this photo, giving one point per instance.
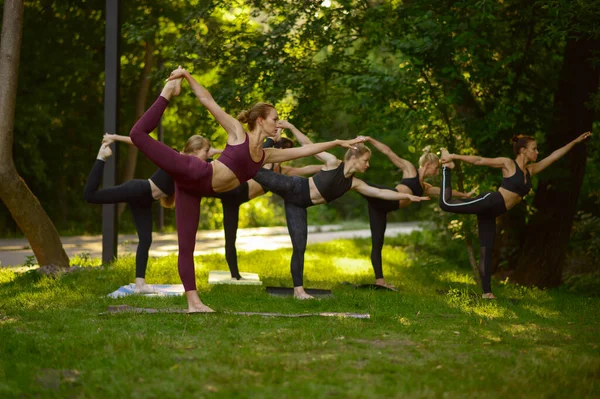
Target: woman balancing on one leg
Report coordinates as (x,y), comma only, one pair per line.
(412,183)
(240,160)
(232,200)
(515,185)
(140,195)
(299,193)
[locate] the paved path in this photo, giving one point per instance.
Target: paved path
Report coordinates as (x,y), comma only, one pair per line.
(15,251)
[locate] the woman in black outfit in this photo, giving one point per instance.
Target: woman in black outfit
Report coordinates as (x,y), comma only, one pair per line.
(412,183)
(299,193)
(515,185)
(140,194)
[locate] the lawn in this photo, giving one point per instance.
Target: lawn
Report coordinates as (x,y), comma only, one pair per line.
(434,338)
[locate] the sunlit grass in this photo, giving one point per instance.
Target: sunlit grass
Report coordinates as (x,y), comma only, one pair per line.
(434,338)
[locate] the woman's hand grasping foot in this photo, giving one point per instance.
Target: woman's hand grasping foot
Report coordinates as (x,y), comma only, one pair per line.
(213,151)
(105,152)
(284,124)
(178,73)
(351,143)
(108,138)
(173,85)
(446,158)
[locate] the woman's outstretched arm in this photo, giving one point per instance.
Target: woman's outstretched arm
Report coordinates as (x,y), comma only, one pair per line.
(301,171)
(232,126)
(325,157)
(500,163)
(400,163)
(287,154)
(116,137)
(430,190)
(370,191)
(556,155)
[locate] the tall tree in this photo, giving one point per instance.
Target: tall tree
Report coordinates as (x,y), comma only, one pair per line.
(140,108)
(23,205)
(549,230)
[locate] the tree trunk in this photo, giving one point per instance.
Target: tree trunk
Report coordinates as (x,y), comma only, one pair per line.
(549,230)
(24,207)
(140,108)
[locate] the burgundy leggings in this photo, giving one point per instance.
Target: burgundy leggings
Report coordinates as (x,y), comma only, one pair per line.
(193,180)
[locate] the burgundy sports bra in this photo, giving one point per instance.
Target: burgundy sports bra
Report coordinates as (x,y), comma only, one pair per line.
(238,159)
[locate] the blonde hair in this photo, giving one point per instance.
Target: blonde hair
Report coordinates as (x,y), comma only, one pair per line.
(359,150)
(428,157)
(194,143)
(258,110)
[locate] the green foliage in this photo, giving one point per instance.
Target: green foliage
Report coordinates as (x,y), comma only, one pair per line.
(465,74)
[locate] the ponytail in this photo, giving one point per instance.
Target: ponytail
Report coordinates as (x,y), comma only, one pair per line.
(428,157)
(519,142)
(258,110)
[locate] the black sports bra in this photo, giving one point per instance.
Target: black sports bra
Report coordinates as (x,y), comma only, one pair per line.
(332,183)
(517,182)
(414,184)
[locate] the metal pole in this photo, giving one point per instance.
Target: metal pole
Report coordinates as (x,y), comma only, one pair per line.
(111,122)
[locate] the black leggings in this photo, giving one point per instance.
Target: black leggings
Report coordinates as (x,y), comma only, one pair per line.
(487,207)
(231,202)
(295,192)
(138,194)
(378,210)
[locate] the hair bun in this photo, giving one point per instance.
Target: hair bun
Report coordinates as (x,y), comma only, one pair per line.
(427,149)
(515,138)
(243,116)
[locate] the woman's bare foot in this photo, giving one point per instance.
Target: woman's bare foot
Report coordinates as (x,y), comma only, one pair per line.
(195,305)
(299,293)
(446,159)
(381,282)
(488,295)
(105,152)
(172,89)
(142,288)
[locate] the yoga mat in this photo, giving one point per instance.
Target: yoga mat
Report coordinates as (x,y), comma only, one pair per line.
(286,291)
(224,277)
(160,290)
(126,308)
(370,287)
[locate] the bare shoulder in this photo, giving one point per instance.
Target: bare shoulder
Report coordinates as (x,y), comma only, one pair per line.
(333,164)
(507,165)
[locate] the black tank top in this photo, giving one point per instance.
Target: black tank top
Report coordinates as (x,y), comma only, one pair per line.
(414,184)
(332,183)
(163,181)
(516,183)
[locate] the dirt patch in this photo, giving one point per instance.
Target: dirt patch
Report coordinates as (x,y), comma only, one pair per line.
(55,271)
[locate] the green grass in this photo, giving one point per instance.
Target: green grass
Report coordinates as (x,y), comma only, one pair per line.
(435,338)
